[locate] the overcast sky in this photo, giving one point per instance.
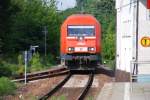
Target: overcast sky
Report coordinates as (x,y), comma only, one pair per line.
(64,4)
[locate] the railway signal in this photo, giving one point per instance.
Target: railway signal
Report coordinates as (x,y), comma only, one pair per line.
(27,57)
(31,51)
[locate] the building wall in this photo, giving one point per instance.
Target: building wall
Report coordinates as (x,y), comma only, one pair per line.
(144,31)
(126,34)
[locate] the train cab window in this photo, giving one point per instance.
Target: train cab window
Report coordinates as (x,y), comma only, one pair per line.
(81,30)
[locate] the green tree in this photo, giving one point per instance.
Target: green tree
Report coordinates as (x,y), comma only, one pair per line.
(6,10)
(1,45)
(109,42)
(28,23)
(4,15)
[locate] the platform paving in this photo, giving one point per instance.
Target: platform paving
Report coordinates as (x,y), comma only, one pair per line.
(125,91)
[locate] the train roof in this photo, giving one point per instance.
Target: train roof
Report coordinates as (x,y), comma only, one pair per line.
(81,18)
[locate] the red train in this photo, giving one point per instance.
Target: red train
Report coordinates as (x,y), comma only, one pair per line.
(80,40)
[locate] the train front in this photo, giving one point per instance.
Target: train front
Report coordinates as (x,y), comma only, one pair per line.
(80,40)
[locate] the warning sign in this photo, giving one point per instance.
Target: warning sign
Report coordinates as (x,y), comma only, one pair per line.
(145,42)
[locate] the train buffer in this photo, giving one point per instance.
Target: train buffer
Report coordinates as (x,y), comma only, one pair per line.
(122,91)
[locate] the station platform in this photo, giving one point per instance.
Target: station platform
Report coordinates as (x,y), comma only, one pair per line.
(125,91)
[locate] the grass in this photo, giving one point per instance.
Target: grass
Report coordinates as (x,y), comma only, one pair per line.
(90,98)
(109,63)
(61,97)
(6,86)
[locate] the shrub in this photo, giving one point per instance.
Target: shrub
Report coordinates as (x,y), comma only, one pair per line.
(20,65)
(51,60)
(48,61)
(6,86)
(8,69)
(13,68)
(4,69)
(35,63)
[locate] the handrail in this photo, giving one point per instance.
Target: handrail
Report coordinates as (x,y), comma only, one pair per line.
(134,70)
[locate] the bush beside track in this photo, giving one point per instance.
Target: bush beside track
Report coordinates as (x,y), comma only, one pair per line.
(15,66)
(6,87)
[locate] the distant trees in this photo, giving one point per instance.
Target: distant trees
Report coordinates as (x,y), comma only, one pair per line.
(5,14)
(109,41)
(104,11)
(26,26)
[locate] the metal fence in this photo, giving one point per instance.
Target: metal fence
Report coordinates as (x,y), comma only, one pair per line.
(134,69)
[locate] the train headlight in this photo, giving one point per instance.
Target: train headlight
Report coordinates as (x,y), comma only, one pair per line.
(81,38)
(91,49)
(70,49)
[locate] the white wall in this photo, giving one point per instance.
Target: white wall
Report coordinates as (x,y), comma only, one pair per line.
(144,30)
(126,34)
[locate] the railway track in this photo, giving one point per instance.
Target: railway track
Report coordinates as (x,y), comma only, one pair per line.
(64,71)
(60,71)
(51,92)
(44,74)
(87,87)
(60,85)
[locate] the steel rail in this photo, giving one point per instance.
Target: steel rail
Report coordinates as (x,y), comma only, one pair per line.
(42,76)
(55,89)
(42,72)
(87,87)
(45,74)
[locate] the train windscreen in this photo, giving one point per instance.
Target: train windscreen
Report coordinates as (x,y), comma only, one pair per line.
(81,30)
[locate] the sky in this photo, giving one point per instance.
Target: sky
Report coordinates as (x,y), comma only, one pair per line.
(64,4)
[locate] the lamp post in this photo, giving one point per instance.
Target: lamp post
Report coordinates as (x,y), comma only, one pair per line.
(45,33)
